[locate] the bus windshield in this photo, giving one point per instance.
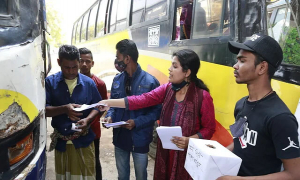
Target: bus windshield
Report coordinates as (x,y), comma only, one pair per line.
(18,25)
(4,8)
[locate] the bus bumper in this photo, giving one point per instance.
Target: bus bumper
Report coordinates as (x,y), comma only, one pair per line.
(35,171)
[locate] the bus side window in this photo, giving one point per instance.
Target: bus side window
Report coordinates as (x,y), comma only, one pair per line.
(283,28)
(122,14)
(113,16)
(226,18)
(78,30)
(184,15)
(92,22)
(84,27)
(207,18)
(155,9)
(138,11)
(101,18)
(74,33)
(282,18)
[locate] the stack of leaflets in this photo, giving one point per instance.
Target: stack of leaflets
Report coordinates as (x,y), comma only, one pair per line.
(115,125)
(85,106)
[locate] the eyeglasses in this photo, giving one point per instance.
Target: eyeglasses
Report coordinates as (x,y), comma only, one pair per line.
(86,61)
(128,86)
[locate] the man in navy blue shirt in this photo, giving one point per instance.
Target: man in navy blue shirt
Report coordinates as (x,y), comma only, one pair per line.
(66,90)
(135,137)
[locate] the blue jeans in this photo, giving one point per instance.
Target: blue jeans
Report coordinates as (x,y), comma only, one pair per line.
(140,161)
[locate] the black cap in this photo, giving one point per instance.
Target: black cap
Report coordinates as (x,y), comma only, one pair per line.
(263,45)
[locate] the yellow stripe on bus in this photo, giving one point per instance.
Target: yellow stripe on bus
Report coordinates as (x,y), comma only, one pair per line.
(8,97)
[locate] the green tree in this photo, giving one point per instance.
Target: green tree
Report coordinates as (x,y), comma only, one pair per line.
(54,26)
(291,50)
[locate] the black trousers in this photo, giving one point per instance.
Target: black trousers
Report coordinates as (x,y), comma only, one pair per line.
(97,159)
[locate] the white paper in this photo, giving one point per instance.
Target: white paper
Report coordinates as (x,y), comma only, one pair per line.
(166,133)
(115,125)
(84,106)
(209,160)
(74,128)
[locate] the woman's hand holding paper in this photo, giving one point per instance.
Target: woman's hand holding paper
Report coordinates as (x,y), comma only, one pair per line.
(181,142)
(104,107)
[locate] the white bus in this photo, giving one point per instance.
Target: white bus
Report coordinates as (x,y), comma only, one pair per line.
(22,94)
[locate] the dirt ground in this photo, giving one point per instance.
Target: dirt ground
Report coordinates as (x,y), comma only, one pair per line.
(109,170)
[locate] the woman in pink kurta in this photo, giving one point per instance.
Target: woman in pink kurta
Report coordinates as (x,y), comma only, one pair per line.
(186,103)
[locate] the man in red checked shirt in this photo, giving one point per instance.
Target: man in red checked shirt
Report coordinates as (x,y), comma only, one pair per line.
(86,63)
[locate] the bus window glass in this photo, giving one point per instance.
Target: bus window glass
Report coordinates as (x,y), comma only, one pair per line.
(4,7)
(279,22)
(284,30)
(184,15)
(155,9)
(269,14)
(92,22)
(101,18)
(83,27)
(74,33)
(226,20)
(78,30)
(113,15)
(207,18)
(122,14)
(138,11)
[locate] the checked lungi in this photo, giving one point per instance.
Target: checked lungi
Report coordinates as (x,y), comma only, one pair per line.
(75,164)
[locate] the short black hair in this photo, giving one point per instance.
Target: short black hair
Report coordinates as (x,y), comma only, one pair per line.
(128,47)
(85,51)
(271,68)
(68,52)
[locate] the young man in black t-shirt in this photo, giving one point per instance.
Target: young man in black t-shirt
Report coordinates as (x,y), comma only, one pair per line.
(265,132)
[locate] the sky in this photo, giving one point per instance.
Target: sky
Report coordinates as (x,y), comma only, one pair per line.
(70,10)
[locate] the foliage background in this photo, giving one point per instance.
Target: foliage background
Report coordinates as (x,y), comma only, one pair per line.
(54,24)
(291,50)
(61,14)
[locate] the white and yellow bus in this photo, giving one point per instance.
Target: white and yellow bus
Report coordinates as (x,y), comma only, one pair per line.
(155,27)
(22,93)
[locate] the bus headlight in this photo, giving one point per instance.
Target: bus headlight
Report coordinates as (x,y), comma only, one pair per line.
(20,150)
